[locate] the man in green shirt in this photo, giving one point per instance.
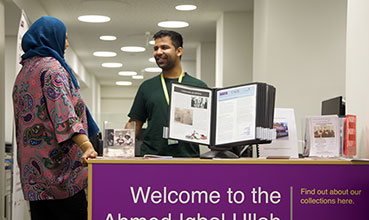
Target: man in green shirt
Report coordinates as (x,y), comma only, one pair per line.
(152,98)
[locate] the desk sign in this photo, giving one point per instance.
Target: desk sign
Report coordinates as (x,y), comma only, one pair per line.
(228,191)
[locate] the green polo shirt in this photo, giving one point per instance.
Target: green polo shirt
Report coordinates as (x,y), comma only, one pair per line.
(150,105)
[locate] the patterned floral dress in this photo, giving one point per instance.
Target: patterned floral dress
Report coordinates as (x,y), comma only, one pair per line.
(48,111)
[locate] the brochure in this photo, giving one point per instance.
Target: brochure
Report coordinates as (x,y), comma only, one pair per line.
(234,115)
(285,144)
(322,136)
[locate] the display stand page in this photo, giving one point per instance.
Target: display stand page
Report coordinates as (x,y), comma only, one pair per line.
(236,114)
(190,114)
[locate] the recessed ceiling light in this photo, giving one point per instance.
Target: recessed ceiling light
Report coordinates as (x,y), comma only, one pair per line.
(108,37)
(186,7)
(104,54)
(94,18)
(133,49)
(173,24)
(112,65)
(138,77)
(153,69)
(123,83)
(152,60)
(152,42)
(127,73)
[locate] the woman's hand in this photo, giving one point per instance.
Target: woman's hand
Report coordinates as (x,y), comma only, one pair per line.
(86,146)
(88,153)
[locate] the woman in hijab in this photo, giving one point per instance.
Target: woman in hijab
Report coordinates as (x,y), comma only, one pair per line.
(53,126)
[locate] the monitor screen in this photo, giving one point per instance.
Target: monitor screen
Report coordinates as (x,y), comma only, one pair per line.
(334,106)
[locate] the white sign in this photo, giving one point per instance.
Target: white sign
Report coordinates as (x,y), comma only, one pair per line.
(285,144)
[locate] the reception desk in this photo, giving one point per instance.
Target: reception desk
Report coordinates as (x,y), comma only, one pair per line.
(241,189)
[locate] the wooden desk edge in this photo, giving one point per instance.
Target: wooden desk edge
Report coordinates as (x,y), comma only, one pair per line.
(225,161)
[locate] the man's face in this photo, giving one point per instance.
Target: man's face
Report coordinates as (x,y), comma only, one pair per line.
(165,54)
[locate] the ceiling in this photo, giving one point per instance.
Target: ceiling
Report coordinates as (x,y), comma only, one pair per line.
(130,21)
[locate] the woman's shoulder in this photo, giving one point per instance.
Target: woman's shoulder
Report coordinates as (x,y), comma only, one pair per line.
(51,62)
(53,70)
(43,63)
(39,64)
(40,60)
(51,66)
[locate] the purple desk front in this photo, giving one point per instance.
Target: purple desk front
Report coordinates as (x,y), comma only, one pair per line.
(196,189)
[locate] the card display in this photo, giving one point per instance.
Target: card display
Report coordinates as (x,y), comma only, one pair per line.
(119,143)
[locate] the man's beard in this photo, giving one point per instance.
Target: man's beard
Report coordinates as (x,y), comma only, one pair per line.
(166,65)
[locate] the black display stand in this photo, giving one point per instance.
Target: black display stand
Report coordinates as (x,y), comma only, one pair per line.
(233,152)
(219,152)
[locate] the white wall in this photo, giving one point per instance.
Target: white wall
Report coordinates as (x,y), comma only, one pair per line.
(33,8)
(234,48)
(91,95)
(205,63)
(116,103)
(299,47)
(357,70)
(80,72)
(189,66)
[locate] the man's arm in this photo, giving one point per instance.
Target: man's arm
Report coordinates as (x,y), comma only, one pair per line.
(138,125)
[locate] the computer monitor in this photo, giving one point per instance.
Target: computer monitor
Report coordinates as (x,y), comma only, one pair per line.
(334,106)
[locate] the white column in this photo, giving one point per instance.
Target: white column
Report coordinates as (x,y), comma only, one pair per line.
(92,97)
(2,107)
(205,63)
(198,61)
(10,75)
(357,70)
(98,106)
(299,47)
(88,92)
(219,53)
(234,48)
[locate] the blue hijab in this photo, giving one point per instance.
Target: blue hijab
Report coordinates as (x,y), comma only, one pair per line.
(46,38)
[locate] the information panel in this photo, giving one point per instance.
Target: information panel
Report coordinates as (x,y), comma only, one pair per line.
(229,191)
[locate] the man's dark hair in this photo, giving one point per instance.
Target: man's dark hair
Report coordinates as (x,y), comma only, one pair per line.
(176,37)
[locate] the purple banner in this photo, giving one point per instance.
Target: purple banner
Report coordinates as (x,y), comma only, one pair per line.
(229,192)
